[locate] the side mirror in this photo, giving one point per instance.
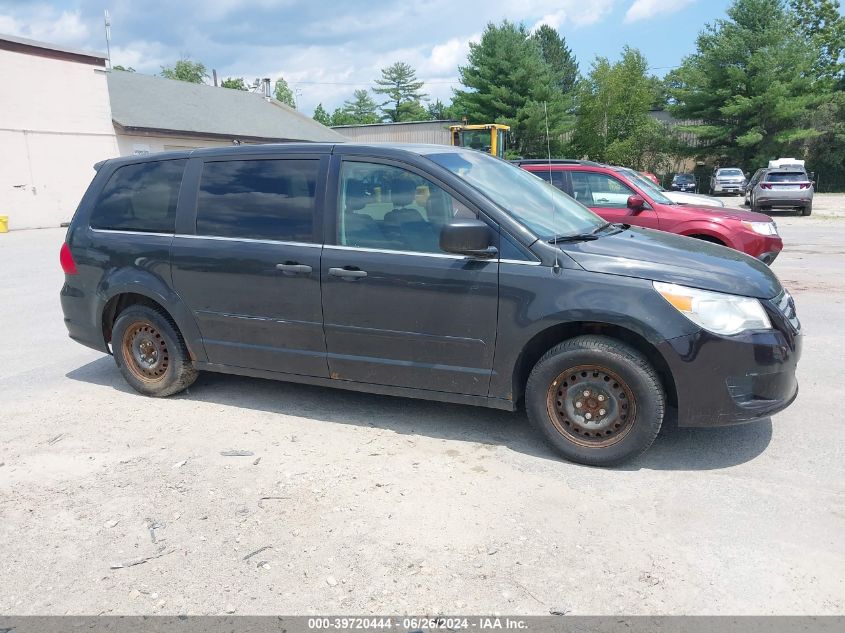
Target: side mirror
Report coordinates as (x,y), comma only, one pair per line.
(467,237)
(636,203)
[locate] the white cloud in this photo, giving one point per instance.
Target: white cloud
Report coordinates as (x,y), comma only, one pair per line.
(574,13)
(645,9)
(46,25)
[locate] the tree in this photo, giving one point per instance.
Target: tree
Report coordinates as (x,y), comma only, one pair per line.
(613,123)
(399,83)
(361,108)
(127,69)
(822,22)
(186,70)
(558,56)
(321,116)
(508,81)
(342,117)
(439,111)
(283,93)
(751,85)
(235,83)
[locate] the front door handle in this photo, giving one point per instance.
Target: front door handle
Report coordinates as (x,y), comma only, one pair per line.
(348,274)
(294,268)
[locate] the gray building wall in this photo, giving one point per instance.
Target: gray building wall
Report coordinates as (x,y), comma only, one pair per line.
(433,132)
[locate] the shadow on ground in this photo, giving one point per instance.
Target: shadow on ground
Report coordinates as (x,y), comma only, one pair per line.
(675,448)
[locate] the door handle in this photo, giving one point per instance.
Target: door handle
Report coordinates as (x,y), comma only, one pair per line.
(297,269)
(347,274)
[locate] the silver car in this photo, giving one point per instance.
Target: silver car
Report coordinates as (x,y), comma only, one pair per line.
(780,188)
(727,180)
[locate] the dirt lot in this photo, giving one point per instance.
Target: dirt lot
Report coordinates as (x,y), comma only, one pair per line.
(368,504)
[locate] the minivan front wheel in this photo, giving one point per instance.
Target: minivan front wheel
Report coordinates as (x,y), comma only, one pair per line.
(596,400)
(150,352)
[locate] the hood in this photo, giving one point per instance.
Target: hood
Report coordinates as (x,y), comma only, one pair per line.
(660,256)
(700,209)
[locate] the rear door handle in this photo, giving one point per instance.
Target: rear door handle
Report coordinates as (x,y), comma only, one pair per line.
(345,273)
(296,269)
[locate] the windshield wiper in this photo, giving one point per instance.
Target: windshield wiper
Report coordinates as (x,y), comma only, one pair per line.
(580,237)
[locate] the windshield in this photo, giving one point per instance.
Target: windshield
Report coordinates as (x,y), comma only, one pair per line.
(684,178)
(544,209)
(654,192)
(729,173)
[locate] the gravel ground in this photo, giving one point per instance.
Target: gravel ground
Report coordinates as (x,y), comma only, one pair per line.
(352,503)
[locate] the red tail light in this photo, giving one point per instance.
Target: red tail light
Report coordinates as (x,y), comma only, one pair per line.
(805,185)
(66,259)
(765,186)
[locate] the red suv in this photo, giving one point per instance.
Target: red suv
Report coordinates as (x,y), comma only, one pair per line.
(622,195)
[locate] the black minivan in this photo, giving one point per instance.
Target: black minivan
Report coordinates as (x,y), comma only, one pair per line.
(423,271)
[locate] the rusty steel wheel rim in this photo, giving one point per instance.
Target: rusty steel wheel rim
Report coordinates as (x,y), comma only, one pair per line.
(591,406)
(145,352)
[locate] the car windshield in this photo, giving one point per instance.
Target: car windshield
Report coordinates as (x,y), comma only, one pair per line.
(655,192)
(730,173)
(542,208)
(684,178)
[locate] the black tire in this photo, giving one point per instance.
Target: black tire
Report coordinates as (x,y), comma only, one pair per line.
(150,352)
(807,209)
(612,375)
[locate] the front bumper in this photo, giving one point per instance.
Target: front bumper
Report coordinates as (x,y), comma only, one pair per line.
(728,188)
(730,380)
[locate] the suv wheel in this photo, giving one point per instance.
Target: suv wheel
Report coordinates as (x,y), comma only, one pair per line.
(150,352)
(807,209)
(596,400)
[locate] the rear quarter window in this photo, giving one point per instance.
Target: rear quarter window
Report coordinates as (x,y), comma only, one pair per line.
(140,197)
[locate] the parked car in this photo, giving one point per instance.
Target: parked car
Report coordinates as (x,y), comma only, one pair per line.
(727,180)
(684,182)
(424,271)
(619,194)
(651,177)
(680,197)
(780,188)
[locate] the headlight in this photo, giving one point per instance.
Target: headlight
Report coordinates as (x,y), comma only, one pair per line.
(763,228)
(714,311)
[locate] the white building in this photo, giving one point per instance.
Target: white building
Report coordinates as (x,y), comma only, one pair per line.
(55,123)
(61,111)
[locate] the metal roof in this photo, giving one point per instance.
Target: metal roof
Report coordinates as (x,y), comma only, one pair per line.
(155,104)
(46,47)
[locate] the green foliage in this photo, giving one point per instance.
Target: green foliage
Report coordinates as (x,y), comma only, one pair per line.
(439,111)
(186,70)
(558,56)
(822,23)
(127,69)
(283,93)
(509,82)
(400,85)
(751,85)
(361,108)
(235,83)
(614,124)
(342,117)
(321,116)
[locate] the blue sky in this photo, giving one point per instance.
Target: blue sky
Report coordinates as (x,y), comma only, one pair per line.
(327,49)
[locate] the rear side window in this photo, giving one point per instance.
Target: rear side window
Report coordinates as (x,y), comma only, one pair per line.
(258,199)
(786,177)
(140,197)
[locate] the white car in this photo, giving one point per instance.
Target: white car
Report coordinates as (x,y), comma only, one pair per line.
(677,197)
(693,198)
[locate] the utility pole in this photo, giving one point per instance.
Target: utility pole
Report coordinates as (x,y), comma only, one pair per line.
(107,22)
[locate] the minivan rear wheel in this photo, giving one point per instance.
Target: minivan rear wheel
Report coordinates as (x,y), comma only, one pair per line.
(150,352)
(596,400)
